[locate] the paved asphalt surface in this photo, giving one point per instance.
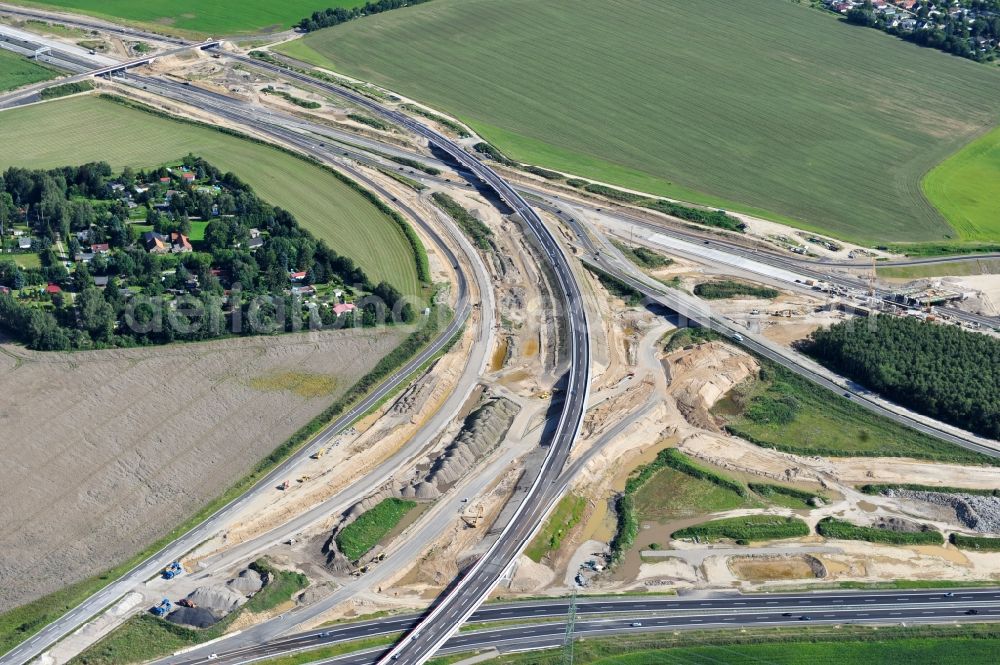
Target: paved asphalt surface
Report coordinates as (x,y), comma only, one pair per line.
(696,311)
(617,614)
(151,566)
(466,595)
(473,586)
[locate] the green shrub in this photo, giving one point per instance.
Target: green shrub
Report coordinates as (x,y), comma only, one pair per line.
(370,121)
(477,231)
(355,539)
(715,218)
(677,460)
(830,527)
(975,543)
(617,287)
(544,173)
(729,288)
(614,194)
(767,490)
(66,89)
(490,151)
(747,529)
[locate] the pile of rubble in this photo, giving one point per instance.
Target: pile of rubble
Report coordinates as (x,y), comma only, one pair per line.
(976,512)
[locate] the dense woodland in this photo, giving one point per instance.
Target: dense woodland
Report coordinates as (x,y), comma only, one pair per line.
(941,371)
(335,16)
(146,275)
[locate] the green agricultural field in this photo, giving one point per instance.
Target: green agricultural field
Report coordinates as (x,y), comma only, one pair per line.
(195,18)
(765,103)
(80,129)
(966,188)
(16,71)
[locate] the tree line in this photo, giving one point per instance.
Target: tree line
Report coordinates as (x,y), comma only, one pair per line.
(940,371)
(337,15)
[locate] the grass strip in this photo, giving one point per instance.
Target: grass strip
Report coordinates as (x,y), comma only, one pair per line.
(975,542)
(616,287)
(370,121)
(643,257)
(567,514)
(339,649)
(831,527)
(358,537)
(746,529)
(729,288)
(477,231)
(66,89)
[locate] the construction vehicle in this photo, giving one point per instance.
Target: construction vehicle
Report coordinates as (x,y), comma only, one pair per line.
(162,609)
(285,485)
(172,571)
(184,602)
(319,453)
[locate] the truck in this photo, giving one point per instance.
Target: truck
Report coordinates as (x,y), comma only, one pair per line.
(162,609)
(172,571)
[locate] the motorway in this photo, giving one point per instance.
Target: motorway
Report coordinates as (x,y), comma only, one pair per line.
(696,311)
(152,565)
(473,586)
(433,631)
(610,614)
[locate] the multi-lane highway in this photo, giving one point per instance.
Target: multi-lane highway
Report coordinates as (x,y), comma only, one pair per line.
(613,615)
(458,604)
(699,313)
(472,588)
(150,567)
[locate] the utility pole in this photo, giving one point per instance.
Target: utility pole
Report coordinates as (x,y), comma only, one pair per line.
(570,627)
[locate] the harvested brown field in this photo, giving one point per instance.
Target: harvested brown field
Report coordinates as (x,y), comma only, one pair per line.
(105,451)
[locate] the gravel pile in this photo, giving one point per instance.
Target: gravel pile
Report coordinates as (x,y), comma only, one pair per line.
(979,513)
(219,599)
(196,617)
(247,583)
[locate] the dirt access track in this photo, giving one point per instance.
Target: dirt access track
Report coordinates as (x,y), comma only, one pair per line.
(105,451)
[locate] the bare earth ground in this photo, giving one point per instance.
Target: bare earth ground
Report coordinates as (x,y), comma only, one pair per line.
(104,451)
